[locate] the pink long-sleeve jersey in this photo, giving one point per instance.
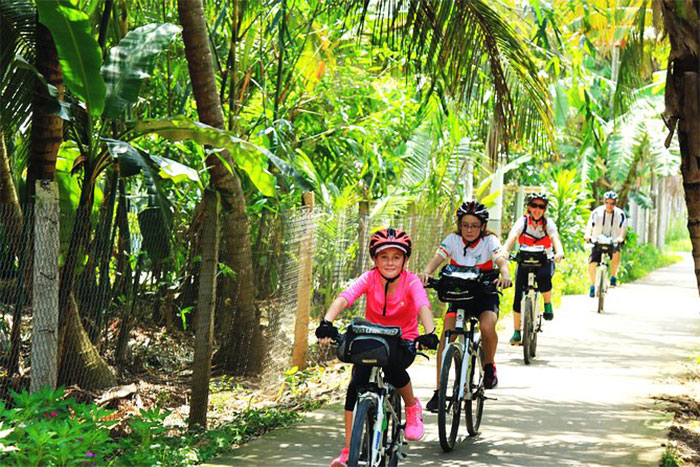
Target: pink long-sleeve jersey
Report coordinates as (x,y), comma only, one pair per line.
(401,306)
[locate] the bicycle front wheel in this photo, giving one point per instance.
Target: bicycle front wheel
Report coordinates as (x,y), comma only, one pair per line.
(528,329)
(392,441)
(449,405)
(602,289)
(361,449)
(535,330)
(475,403)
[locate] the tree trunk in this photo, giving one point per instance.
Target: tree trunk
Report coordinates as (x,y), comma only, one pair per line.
(683,106)
(653,211)
(80,363)
(12,219)
(689,138)
(204,318)
(243,349)
(362,236)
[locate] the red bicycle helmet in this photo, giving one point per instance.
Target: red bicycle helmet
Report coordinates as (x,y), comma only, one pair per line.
(473,208)
(390,238)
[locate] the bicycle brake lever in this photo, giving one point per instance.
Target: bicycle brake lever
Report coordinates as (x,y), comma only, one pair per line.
(422,355)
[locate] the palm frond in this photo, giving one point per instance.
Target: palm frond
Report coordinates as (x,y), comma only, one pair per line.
(17,29)
(470,48)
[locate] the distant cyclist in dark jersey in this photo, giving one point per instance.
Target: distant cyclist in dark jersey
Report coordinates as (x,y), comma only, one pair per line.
(472,245)
(534,229)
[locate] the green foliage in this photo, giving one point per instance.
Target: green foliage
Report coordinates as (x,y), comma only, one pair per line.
(78,51)
(130,62)
(639,259)
(671,457)
(43,428)
(568,207)
(248,156)
(571,275)
(677,236)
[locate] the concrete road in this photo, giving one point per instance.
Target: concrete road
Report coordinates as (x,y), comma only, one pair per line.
(585,401)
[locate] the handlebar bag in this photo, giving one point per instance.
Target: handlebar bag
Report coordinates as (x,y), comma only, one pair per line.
(367,343)
(530,258)
(458,283)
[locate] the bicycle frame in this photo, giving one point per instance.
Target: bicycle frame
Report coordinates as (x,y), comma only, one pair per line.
(463,336)
(384,411)
(531,293)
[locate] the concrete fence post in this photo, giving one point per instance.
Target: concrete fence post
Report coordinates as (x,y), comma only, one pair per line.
(44,351)
(301,328)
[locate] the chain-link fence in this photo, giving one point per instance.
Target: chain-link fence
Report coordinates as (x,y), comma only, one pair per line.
(127,289)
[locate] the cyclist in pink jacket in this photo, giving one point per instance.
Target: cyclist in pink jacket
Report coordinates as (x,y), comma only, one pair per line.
(395,297)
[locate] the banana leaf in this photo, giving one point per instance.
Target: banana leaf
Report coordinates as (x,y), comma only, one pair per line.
(251,158)
(78,51)
(131,62)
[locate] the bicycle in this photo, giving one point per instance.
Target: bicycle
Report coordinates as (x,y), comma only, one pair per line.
(377,435)
(460,382)
(531,258)
(602,280)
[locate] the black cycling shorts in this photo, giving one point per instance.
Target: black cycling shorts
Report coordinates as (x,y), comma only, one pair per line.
(597,253)
(395,374)
(543,278)
(480,303)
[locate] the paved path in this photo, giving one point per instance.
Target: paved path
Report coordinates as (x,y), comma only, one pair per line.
(584,401)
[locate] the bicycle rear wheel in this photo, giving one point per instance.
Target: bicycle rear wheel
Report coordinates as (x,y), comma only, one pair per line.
(474,405)
(528,329)
(602,289)
(449,405)
(361,449)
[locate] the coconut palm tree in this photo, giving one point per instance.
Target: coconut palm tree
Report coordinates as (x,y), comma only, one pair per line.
(682,24)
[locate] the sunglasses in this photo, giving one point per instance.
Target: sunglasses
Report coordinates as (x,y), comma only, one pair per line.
(538,206)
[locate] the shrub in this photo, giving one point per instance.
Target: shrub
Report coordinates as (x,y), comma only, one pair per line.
(43,428)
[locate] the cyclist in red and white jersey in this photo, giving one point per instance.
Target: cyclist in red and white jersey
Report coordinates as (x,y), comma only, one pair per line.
(534,229)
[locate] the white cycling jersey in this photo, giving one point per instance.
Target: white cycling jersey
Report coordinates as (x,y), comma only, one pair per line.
(605,223)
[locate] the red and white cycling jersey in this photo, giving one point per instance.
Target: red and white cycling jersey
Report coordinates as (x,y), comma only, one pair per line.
(480,254)
(531,232)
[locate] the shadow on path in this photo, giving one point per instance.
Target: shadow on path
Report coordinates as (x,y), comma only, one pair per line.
(584,401)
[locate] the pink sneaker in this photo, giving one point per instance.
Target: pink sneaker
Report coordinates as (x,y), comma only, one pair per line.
(414,422)
(342,459)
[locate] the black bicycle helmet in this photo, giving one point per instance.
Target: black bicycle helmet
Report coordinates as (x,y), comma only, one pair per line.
(610,195)
(473,208)
(538,195)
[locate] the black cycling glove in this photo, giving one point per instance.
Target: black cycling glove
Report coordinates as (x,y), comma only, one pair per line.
(326,330)
(429,341)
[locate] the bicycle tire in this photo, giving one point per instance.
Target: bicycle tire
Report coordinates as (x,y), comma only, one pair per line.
(602,289)
(526,312)
(536,321)
(474,407)
(392,434)
(449,407)
(361,436)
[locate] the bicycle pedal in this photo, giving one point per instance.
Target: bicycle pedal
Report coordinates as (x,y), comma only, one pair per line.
(401,455)
(490,398)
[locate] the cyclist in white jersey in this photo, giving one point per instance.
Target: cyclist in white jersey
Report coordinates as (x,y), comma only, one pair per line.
(472,245)
(608,220)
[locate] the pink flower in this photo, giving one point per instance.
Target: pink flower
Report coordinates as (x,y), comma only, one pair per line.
(90,454)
